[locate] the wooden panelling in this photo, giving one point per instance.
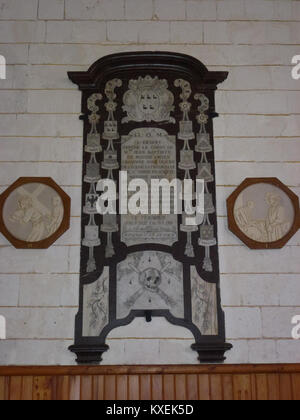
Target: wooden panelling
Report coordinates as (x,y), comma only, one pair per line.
(158,383)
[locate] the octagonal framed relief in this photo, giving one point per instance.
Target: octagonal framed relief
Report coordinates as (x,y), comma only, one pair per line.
(263,213)
(34,213)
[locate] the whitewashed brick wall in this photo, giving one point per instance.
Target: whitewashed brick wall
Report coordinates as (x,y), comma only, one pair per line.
(257,134)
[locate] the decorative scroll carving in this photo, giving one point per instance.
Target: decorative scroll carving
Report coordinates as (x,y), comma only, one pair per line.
(148,99)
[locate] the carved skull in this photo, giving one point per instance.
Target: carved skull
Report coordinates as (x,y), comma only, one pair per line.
(151,279)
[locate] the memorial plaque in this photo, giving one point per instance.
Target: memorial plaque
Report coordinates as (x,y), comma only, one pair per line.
(148,132)
(149,153)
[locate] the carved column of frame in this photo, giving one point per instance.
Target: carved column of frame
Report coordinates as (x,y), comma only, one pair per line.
(148,266)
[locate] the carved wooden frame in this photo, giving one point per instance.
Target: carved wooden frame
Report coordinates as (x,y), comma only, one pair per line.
(45,243)
(89,350)
(252,244)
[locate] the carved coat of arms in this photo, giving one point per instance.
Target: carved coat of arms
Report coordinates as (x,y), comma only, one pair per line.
(148,99)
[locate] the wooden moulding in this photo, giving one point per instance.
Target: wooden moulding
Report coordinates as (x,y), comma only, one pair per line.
(150,370)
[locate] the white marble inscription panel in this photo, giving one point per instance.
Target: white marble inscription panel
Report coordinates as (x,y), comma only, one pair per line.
(149,153)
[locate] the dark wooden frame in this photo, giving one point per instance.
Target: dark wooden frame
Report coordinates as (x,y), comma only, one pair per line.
(46,243)
(244,238)
(89,350)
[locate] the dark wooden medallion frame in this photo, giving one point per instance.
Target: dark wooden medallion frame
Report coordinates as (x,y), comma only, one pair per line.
(89,350)
(45,243)
(241,235)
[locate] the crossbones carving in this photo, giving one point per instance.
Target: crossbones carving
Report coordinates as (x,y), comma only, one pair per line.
(150,280)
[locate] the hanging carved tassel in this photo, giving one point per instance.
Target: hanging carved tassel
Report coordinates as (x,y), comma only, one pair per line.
(207,235)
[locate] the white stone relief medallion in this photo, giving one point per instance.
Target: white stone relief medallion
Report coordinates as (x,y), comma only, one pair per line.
(150,280)
(264,213)
(148,99)
(95,305)
(33,212)
(204,304)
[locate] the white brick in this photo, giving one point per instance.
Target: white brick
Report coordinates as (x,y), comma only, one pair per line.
(243,323)
(251,290)
(14,54)
(94,9)
(73,235)
(74,258)
(280,150)
(239,354)
(158,328)
(138,9)
(16,9)
(170,9)
(54,102)
(289,173)
(259,9)
(13,102)
(201,9)
(289,291)
(41,125)
(48,290)
(22,32)
(73,32)
(137,351)
(187,32)
(258,102)
(257,126)
(52,260)
(40,149)
(40,77)
(295,13)
(39,323)
(9,290)
(62,173)
(8,352)
(158,32)
(53,9)
(262,351)
(275,77)
(123,31)
(230,9)
(76,204)
(277,322)
(241,260)
(43,352)
(288,351)
(174,352)
(251,33)
(153,32)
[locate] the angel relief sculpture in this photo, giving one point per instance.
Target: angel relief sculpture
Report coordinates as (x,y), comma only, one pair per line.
(148,99)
